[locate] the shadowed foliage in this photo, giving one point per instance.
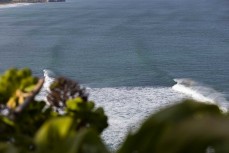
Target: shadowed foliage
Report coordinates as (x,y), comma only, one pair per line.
(189,127)
(63,89)
(29,126)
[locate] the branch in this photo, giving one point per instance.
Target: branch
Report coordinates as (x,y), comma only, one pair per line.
(30,98)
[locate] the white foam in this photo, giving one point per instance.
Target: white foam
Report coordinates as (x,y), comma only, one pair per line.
(200,92)
(4,6)
(125,107)
(128,107)
(48,76)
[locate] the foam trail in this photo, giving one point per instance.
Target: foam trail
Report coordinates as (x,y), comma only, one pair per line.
(200,92)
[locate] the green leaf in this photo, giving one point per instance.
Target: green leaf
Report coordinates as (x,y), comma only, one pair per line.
(53,132)
(56,136)
(155,126)
(7,148)
(7,121)
(87,141)
(196,135)
(72,104)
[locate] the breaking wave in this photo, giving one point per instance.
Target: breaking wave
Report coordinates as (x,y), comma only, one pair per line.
(49,77)
(127,107)
(200,92)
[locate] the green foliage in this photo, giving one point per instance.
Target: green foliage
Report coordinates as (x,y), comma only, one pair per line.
(58,136)
(54,133)
(33,117)
(67,95)
(87,141)
(20,130)
(7,148)
(6,128)
(85,115)
(64,89)
(72,124)
(31,126)
(189,127)
(14,84)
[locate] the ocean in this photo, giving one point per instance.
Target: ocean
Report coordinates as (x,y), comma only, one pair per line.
(134,57)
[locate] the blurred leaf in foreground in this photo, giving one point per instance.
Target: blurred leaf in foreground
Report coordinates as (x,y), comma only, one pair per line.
(53,134)
(7,148)
(57,136)
(189,127)
(15,86)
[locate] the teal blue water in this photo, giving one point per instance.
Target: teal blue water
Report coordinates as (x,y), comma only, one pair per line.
(128,51)
(113,43)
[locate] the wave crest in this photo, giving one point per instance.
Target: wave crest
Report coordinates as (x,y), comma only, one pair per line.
(198,91)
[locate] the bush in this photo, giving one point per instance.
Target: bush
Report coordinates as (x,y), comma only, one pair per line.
(72,124)
(29,126)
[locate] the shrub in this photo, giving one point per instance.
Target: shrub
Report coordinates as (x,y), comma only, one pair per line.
(72,124)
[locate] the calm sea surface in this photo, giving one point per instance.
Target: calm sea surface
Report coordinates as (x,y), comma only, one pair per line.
(110,45)
(107,43)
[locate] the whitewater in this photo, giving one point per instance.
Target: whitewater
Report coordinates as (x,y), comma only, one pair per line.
(128,107)
(134,57)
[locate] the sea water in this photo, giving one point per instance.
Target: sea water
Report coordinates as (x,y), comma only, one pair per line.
(134,57)
(128,107)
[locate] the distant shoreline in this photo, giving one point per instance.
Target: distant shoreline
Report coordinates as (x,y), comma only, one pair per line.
(22,2)
(6,3)
(12,4)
